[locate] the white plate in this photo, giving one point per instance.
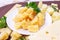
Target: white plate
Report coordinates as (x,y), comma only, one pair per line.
(10,22)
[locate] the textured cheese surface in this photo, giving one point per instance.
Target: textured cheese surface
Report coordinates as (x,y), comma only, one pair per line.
(51,32)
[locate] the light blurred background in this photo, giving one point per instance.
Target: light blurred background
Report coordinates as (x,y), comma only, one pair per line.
(5,2)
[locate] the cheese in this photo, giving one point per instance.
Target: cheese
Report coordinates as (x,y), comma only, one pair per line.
(51,32)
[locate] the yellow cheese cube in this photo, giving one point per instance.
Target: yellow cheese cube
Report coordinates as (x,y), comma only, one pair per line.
(56,16)
(18,18)
(44,8)
(4,36)
(35,21)
(22,10)
(50,10)
(33,28)
(31,16)
(4,33)
(18,25)
(40,4)
(40,19)
(25,15)
(30,10)
(59,10)
(15,35)
(24,24)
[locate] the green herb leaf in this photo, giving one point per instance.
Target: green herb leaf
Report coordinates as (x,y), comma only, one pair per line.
(34,6)
(54,7)
(22,38)
(37,10)
(3,22)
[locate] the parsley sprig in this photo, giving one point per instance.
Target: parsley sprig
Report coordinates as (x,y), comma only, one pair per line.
(34,6)
(55,9)
(22,38)
(3,22)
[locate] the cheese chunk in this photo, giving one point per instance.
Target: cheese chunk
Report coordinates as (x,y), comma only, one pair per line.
(33,28)
(56,16)
(50,10)
(51,32)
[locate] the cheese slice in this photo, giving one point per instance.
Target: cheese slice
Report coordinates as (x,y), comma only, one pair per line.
(51,32)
